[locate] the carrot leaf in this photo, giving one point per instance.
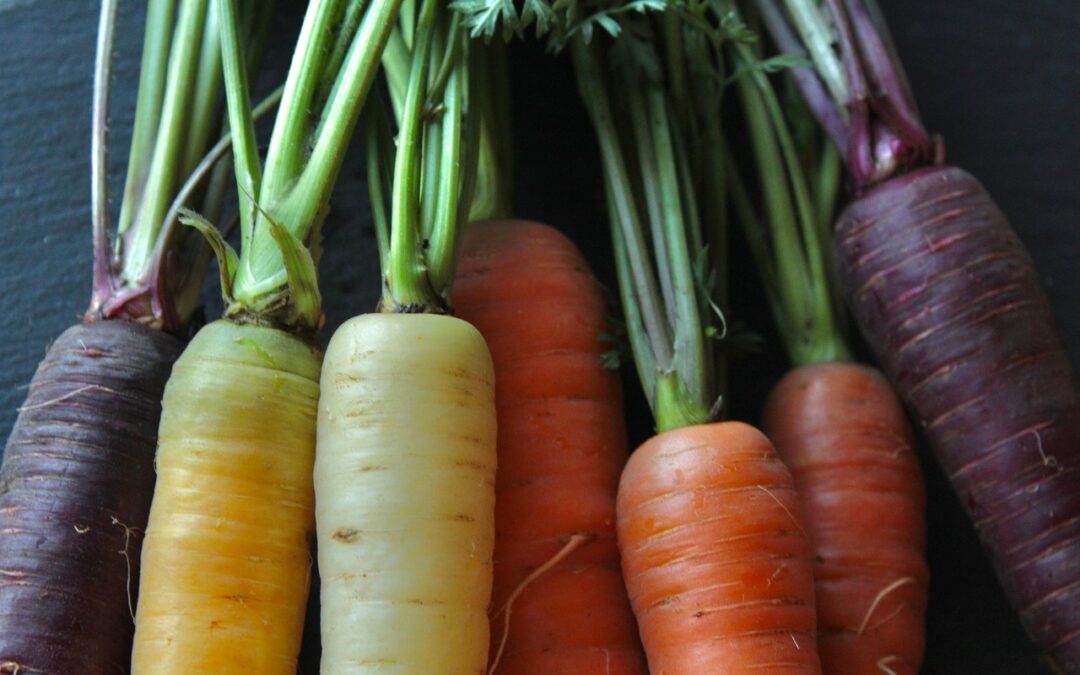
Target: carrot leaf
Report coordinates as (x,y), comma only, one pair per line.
(226,254)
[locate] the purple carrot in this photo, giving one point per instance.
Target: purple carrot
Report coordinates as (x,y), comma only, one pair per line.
(78,469)
(949,300)
(75,489)
(951,304)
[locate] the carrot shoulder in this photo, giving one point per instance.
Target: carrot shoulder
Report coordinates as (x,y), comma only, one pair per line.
(843,433)
(715,555)
(561,447)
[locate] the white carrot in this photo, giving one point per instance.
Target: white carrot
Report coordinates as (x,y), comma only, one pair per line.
(405,458)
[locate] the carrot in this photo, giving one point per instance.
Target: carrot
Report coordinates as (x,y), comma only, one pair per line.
(843,433)
(951,304)
(405,463)
(715,557)
(226,559)
(837,425)
(75,489)
(969,339)
(561,448)
(77,475)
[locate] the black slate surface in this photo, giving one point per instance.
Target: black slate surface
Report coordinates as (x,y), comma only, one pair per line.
(999,79)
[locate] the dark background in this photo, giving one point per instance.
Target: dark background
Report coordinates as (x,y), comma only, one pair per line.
(999,79)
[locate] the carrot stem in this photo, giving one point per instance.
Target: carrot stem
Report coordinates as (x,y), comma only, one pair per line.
(435,165)
(99,182)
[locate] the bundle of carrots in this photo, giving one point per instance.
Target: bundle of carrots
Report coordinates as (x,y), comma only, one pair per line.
(459,457)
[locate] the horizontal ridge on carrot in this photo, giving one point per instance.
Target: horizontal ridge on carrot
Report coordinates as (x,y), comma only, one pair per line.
(78,469)
(951,304)
(837,425)
(227,560)
(561,448)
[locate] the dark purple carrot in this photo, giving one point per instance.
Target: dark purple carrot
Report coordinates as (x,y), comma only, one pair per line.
(78,468)
(950,301)
(75,489)
(951,304)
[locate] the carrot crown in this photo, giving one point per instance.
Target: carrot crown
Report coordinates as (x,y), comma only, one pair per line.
(857,90)
(152,271)
(796,176)
(432,74)
(283,202)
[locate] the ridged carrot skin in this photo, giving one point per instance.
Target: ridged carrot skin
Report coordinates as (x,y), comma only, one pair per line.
(75,490)
(561,448)
(226,556)
(844,434)
(405,484)
(952,306)
(715,554)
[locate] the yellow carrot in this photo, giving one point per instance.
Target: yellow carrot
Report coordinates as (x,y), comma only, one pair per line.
(225,563)
(405,471)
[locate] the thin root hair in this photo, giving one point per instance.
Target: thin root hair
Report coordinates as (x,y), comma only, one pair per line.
(575,542)
(902,581)
(70,394)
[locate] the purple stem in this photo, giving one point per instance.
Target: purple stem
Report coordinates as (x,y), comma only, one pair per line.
(813,89)
(860,157)
(891,97)
(99,190)
(882,134)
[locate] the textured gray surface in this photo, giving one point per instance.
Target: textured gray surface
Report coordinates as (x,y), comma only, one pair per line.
(1000,80)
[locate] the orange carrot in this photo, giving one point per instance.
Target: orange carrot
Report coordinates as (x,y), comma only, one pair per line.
(714,554)
(838,426)
(843,433)
(561,446)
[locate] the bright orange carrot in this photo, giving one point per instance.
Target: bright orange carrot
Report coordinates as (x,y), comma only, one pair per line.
(715,555)
(561,446)
(842,432)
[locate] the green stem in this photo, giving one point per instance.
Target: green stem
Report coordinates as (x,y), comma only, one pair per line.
(640,345)
(289,139)
(443,239)
(164,171)
(380,154)
(690,354)
(297,194)
(593,90)
(313,188)
(802,299)
(204,95)
(818,39)
(152,78)
(406,288)
(246,163)
(675,407)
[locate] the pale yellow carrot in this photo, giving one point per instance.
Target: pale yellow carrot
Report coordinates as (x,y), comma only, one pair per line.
(405,479)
